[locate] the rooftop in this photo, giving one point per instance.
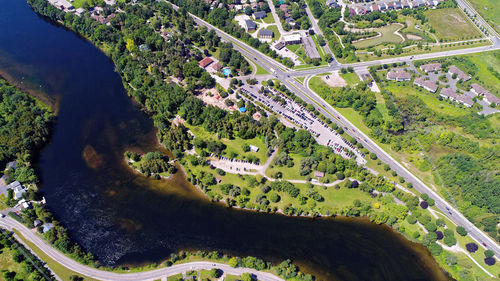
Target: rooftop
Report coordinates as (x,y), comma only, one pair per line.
(205,62)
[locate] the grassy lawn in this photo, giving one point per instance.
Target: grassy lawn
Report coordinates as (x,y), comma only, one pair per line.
(234,146)
(276,32)
(61,271)
(268,19)
(205,275)
(300,79)
(388,36)
(289,173)
(319,86)
(230,277)
(260,70)
(489,10)
(352,79)
(451,24)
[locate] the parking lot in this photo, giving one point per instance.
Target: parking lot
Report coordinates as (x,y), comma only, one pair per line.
(300,116)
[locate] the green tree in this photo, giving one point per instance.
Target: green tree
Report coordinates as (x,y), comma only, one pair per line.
(233,262)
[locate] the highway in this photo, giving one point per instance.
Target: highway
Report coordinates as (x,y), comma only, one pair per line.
(285,76)
(156,274)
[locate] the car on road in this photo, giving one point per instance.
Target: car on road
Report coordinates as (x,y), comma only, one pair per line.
(2,216)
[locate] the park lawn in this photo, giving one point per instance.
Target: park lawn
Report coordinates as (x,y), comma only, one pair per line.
(277,34)
(342,197)
(235,145)
(269,18)
(388,36)
(451,24)
(352,79)
(411,29)
(489,10)
(61,271)
(7,263)
(431,100)
(289,173)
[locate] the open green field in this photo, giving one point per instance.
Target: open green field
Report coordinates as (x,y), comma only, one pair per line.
(7,263)
(388,36)
(488,63)
(452,24)
(352,79)
(489,10)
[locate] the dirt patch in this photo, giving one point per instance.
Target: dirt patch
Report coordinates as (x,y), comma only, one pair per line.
(413,37)
(334,80)
(212,97)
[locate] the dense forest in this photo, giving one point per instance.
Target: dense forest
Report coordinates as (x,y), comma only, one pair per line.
(24,127)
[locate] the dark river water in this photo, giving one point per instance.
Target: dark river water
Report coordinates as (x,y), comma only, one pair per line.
(124,218)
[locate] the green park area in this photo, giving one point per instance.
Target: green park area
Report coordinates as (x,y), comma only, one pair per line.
(236,148)
(387,35)
(415,31)
(351,78)
(451,24)
(489,10)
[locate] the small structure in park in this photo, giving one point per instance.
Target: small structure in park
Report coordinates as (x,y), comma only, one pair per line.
(430,67)
(318,174)
(398,75)
(426,84)
(460,74)
(253,148)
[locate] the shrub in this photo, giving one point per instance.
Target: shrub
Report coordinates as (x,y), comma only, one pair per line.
(489,261)
(489,253)
(424,204)
(450,240)
(411,219)
(435,249)
(472,247)
(431,202)
(274,197)
(451,259)
(461,231)
(425,197)
(439,235)
(431,227)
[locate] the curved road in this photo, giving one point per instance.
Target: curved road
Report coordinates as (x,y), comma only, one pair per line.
(67,262)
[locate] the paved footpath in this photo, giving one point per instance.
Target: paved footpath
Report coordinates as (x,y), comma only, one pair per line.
(73,265)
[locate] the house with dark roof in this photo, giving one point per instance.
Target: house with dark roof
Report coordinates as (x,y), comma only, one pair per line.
(397,5)
(405,4)
(266,33)
(250,25)
(259,15)
(398,75)
(310,48)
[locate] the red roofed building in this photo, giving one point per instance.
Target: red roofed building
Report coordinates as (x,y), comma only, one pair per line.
(205,62)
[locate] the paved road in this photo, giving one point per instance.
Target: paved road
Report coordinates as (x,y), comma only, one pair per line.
(10,223)
(285,76)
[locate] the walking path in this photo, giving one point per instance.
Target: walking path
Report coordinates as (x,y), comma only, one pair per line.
(156,274)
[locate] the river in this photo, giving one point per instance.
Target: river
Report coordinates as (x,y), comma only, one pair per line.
(124,218)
